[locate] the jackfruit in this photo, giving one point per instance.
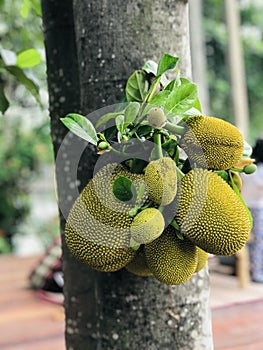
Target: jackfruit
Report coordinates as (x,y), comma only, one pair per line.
(147,225)
(210,214)
(138,266)
(156,117)
(171,260)
(212,143)
(98,226)
(202,259)
(161,179)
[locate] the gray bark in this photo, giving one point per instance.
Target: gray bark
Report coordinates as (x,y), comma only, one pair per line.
(119,310)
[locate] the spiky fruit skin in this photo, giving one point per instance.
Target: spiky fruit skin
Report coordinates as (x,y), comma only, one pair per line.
(138,266)
(212,143)
(171,260)
(161,180)
(210,214)
(98,226)
(156,117)
(202,259)
(147,225)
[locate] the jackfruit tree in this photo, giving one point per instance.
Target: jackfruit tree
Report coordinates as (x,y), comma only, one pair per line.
(138,169)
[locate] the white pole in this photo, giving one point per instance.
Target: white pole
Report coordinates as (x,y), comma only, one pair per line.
(237,69)
(198,53)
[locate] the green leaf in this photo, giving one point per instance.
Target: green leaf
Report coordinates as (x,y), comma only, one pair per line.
(28,58)
(181,99)
(137,86)
(123,189)
(25,8)
(24,80)
(120,123)
(81,126)
(150,67)
(160,98)
(237,192)
(131,112)
(166,63)
(4,103)
(106,117)
(36,4)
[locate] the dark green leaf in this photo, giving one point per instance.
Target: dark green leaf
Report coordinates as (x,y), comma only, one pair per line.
(23,79)
(4,103)
(106,117)
(166,63)
(28,58)
(137,86)
(131,112)
(150,67)
(181,99)
(123,189)
(144,130)
(81,126)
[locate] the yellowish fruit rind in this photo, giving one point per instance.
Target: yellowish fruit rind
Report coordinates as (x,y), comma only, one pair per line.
(138,266)
(161,179)
(212,143)
(210,214)
(171,260)
(202,259)
(147,225)
(97,230)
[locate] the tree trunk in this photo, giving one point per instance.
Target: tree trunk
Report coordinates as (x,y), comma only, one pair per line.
(115,310)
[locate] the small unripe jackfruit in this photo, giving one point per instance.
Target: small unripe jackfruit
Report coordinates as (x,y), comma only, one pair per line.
(98,226)
(212,143)
(171,260)
(161,179)
(156,117)
(210,214)
(138,266)
(147,225)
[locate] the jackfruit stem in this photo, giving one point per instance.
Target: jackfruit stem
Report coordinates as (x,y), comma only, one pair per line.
(158,141)
(176,129)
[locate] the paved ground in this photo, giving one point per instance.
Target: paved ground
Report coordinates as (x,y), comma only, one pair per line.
(29,323)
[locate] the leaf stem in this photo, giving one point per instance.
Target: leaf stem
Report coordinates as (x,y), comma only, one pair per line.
(158,142)
(176,129)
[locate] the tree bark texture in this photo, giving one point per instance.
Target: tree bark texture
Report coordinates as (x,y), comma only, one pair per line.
(108,41)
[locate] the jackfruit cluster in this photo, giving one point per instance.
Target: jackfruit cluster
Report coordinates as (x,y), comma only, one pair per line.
(210,214)
(161,180)
(98,226)
(212,143)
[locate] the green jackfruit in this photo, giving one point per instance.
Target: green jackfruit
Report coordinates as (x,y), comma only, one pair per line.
(161,179)
(156,117)
(212,143)
(138,266)
(210,214)
(202,259)
(171,260)
(147,225)
(98,226)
